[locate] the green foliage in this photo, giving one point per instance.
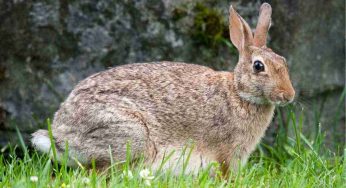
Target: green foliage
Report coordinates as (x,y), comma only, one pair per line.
(295,161)
(209,26)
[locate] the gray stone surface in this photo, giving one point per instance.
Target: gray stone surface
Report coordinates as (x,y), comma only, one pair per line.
(47,46)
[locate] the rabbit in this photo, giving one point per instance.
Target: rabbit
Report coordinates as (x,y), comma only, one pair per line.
(162,107)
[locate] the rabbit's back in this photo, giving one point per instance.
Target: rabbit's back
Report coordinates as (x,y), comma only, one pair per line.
(143,81)
(179,96)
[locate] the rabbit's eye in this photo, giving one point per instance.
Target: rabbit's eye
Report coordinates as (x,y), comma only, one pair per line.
(258,66)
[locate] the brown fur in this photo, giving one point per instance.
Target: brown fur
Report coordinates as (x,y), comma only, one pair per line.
(159,106)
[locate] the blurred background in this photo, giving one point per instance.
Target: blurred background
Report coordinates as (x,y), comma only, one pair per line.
(47,46)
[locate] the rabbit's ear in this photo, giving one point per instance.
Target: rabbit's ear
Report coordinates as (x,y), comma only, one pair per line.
(240,32)
(263,25)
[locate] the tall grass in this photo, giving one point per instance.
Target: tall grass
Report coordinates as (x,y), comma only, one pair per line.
(292,161)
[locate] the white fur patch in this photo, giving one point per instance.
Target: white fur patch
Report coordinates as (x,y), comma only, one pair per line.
(42,143)
(177,161)
(257,57)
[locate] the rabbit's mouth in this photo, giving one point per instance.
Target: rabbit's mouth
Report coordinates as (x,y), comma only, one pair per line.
(281,98)
(280,103)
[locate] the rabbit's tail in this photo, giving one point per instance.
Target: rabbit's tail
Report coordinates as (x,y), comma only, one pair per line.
(41,141)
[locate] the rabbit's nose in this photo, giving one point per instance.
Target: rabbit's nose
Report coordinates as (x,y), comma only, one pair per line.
(287,96)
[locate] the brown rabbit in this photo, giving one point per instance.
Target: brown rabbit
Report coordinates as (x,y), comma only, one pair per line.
(158,107)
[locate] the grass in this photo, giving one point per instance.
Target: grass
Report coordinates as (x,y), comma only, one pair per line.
(292,161)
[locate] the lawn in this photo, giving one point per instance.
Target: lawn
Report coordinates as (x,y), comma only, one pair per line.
(293,160)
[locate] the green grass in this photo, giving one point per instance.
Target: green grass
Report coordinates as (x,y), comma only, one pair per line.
(292,161)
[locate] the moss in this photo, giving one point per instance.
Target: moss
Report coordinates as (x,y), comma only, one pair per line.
(209,26)
(178,13)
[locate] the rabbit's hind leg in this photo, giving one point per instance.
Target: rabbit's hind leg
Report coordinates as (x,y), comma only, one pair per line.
(113,140)
(100,134)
